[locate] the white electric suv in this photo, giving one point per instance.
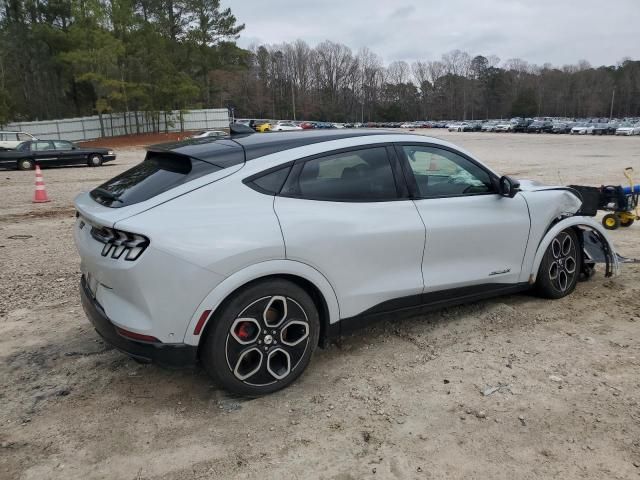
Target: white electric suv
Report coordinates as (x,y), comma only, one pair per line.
(245,253)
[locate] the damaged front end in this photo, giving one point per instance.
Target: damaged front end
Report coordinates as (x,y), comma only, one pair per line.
(554,209)
(596,249)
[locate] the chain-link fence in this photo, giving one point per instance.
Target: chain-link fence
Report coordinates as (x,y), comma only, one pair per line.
(128,123)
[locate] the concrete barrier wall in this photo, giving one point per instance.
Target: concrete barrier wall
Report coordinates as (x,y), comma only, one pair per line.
(88,128)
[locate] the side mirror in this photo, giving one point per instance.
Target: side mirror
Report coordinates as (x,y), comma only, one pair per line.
(508,187)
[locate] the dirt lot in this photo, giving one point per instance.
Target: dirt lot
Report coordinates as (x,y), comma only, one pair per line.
(403,399)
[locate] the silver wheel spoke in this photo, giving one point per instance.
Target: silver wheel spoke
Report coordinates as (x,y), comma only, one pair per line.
(249,363)
(556,248)
(294,332)
(563,280)
(275,312)
(553,271)
(566,245)
(570,265)
(279,363)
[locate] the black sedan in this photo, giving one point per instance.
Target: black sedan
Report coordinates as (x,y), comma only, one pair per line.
(539,127)
(53,152)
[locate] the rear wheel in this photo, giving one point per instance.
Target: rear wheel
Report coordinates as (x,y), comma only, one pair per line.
(560,267)
(611,221)
(95,160)
(262,339)
(25,164)
(627,223)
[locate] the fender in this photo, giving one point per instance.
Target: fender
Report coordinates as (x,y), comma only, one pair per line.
(577,221)
(254,272)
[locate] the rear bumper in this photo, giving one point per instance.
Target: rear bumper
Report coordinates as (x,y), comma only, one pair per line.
(176,354)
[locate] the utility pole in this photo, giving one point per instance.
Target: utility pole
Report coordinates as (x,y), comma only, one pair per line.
(293,99)
(613,96)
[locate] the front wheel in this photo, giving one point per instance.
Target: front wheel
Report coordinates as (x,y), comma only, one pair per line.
(262,338)
(560,267)
(25,164)
(95,160)
(611,221)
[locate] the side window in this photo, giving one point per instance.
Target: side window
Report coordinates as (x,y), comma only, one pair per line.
(23,137)
(358,175)
(270,183)
(60,145)
(41,146)
(442,173)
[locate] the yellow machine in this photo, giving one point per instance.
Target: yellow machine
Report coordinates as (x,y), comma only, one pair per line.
(622,202)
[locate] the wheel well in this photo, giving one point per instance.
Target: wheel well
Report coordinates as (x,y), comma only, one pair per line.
(306,285)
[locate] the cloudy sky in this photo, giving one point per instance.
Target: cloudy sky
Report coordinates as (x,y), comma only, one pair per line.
(539,31)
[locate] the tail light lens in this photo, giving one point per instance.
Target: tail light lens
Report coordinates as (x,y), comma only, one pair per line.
(118,243)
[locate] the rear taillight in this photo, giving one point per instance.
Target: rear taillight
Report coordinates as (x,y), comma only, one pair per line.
(118,243)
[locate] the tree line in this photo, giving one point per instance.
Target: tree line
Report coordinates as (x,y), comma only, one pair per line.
(63,58)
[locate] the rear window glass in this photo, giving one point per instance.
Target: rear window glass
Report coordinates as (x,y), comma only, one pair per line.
(270,183)
(157,174)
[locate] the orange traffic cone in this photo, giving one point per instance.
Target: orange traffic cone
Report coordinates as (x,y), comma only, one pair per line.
(40,195)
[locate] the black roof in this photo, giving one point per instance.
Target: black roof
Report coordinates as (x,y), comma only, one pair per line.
(238,148)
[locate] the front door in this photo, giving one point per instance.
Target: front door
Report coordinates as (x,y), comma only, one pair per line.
(474,236)
(344,215)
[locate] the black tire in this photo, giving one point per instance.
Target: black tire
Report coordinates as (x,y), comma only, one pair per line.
(25,164)
(611,221)
(560,267)
(231,348)
(95,160)
(627,223)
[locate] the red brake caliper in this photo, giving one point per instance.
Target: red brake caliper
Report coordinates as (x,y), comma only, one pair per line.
(244,330)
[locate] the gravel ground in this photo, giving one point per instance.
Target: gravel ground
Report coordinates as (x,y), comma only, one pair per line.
(514,387)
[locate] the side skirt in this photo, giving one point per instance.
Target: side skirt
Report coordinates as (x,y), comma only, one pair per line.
(423,303)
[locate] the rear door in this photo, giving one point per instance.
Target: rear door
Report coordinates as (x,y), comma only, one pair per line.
(347,215)
(44,152)
(474,236)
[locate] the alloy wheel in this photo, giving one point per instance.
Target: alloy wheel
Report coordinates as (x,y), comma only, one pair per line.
(267,340)
(563,265)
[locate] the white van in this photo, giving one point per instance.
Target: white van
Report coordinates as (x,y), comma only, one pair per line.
(10,140)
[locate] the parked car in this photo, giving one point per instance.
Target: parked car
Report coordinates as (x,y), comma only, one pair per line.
(598,129)
(504,127)
(612,127)
(489,126)
(628,129)
(210,134)
(460,127)
(54,152)
(520,124)
(580,129)
(260,125)
(307,125)
(336,239)
(539,126)
(283,126)
(10,140)
(560,127)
